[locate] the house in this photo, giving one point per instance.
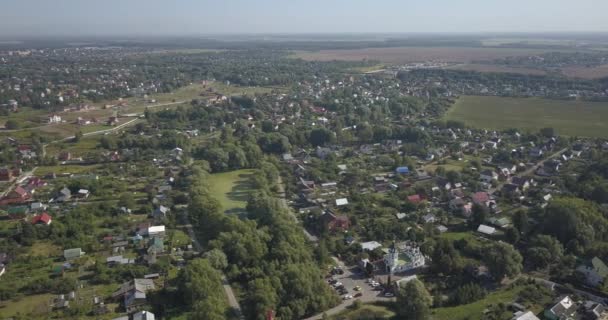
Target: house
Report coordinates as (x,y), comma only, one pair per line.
(370,245)
(595,271)
(429,218)
(510,189)
(522,182)
(6,175)
(535,152)
(595,311)
(341,202)
(488,176)
(487,230)
(143,315)
(402,170)
(43,218)
(520,315)
(54,119)
(160,213)
(564,309)
(118,260)
(415,199)
(82,194)
(71,254)
(156,231)
(18,195)
(481,198)
(64,195)
(334,223)
(323,153)
(133,293)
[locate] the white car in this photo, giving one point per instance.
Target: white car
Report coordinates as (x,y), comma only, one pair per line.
(347,297)
(337,284)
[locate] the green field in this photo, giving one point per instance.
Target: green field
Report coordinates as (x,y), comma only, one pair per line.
(232,189)
(475,310)
(570,118)
(366,311)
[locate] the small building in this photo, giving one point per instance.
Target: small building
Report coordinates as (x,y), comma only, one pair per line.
(334,223)
(487,230)
(488,176)
(143,315)
(341,202)
(156,231)
(71,254)
(521,315)
(370,245)
(402,170)
(565,308)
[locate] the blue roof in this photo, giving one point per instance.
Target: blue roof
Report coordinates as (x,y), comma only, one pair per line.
(403,170)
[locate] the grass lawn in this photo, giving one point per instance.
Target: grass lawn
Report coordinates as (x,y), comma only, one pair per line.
(570,118)
(475,310)
(73,169)
(34,305)
(366,311)
(45,249)
(232,189)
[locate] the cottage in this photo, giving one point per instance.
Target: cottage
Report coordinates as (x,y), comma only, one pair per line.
(52,119)
(341,202)
(370,246)
(415,199)
(481,198)
(133,293)
(18,195)
(156,231)
(160,213)
(64,195)
(402,170)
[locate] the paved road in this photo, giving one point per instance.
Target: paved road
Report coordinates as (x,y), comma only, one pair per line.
(350,279)
(232,300)
(282,197)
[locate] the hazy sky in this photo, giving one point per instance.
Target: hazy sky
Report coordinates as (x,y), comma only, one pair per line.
(191,17)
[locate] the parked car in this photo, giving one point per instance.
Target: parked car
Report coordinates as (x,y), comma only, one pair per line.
(347,297)
(359,294)
(389,294)
(357,288)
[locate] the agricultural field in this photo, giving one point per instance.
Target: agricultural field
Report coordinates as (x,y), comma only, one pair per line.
(567,117)
(586,73)
(232,189)
(399,55)
(496,69)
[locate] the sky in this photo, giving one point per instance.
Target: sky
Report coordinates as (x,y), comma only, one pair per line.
(203,17)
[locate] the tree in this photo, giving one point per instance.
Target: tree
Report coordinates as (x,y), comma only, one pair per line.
(521,221)
(544,250)
(217,258)
(78,136)
(126,200)
(480,213)
(321,137)
(12,124)
(414,301)
(502,260)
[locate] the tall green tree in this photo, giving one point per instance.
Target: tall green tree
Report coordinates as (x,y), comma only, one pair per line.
(414,301)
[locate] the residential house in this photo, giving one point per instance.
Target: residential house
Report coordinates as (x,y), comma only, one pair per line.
(415,199)
(16,196)
(143,315)
(43,218)
(370,245)
(535,152)
(488,176)
(132,294)
(522,182)
(6,174)
(71,254)
(402,170)
(564,309)
(160,213)
(156,231)
(64,195)
(481,198)
(52,119)
(118,260)
(334,223)
(595,271)
(521,315)
(341,202)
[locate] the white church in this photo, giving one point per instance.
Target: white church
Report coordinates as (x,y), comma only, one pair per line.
(403,257)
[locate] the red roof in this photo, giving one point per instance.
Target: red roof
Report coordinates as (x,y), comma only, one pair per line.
(415,198)
(42,218)
(20,191)
(481,197)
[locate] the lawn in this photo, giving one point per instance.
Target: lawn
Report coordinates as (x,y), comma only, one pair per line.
(30,305)
(73,169)
(475,310)
(232,189)
(366,311)
(568,117)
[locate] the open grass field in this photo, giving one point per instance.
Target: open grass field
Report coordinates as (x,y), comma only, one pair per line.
(232,189)
(475,310)
(586,73)
(35,305)
(570,118)
(399,55)
(366,311)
